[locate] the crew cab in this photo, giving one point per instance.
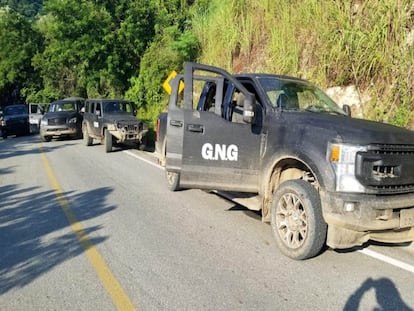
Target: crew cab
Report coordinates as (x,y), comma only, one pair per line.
(112,122)
(318,175)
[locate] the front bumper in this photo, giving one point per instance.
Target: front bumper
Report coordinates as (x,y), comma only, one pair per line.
(353,219)
(128,136)
(15,128)
(58,131)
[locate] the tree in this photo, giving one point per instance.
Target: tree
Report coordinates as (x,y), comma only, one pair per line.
(93,47)
(19,43)
(173,44)
(27,8)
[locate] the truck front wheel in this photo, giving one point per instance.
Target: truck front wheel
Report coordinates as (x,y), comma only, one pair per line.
(87,140)
(46,138)
(107,141)
(297,221)
(173,180)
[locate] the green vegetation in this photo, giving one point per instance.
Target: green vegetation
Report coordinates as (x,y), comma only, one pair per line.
(331,43)
(124,48)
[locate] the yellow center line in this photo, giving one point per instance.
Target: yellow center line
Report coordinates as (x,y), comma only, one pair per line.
(108,280)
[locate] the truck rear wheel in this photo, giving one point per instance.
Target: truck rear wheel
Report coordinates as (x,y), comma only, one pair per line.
(107,141)
(173,180)
(297,221)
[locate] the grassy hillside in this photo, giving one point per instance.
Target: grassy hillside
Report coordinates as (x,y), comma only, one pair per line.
(364,43)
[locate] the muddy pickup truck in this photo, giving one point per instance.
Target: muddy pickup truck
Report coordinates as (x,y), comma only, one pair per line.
(282,146)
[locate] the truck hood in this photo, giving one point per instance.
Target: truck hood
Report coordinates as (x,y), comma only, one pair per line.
(15,116)
(115,117)
(60,114)
(349,130)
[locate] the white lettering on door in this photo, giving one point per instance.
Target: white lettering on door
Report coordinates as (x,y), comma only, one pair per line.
(220,152)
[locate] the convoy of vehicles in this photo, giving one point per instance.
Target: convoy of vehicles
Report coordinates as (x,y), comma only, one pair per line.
(275,144)
(113,122)
(279,143)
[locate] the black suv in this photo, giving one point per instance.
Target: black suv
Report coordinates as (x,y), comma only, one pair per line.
(15,120)
(63,119)
(112,121)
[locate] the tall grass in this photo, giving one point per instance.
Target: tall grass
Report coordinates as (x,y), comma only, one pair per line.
(329,42)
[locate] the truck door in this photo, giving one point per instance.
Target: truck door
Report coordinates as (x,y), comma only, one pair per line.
(97,118)
(35,115)
(207,148)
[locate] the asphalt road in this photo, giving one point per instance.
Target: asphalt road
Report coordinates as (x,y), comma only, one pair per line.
(85,230)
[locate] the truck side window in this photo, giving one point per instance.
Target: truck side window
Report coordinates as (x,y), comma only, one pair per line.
(237,107)
(210,99)
(98,109)
(180,100)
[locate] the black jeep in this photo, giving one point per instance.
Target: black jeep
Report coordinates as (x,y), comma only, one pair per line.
(112,121)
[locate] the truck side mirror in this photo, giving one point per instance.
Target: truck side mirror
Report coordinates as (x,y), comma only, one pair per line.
(347,110)
(249,108)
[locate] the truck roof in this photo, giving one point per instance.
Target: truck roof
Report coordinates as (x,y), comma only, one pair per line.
(267,75)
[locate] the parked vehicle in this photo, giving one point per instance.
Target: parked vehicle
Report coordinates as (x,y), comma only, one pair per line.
(282,146)
(112,122)
(63,119)
(14,120)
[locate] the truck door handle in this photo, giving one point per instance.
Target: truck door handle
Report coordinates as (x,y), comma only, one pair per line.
(198,128)
(176,123)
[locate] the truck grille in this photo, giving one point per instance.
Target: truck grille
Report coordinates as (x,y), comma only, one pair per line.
(56,121)
(129,126)
(13,122)
(391,149)
(386,168)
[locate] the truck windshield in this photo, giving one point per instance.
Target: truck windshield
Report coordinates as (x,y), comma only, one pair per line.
(14,110)
(117,107)
(296,95)
(62,106)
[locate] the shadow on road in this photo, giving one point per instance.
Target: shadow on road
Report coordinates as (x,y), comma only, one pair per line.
(387,295)
(15,146)
(35,235)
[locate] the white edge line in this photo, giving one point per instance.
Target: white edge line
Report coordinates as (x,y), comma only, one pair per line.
(143,159)
(378,256)
(389,260)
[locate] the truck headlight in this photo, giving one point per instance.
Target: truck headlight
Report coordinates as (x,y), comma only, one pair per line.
(72,120)
(342,157)
(43,122)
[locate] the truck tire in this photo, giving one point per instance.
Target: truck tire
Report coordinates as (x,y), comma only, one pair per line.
(87,140)
(173,180)
(46,138)
(297,221)
(27,130)
(107,141)
(143,144)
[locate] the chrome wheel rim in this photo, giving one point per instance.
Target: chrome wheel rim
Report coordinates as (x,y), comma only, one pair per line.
(291,220)
(170,177)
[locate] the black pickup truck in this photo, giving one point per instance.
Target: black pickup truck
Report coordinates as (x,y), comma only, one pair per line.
(279,143)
